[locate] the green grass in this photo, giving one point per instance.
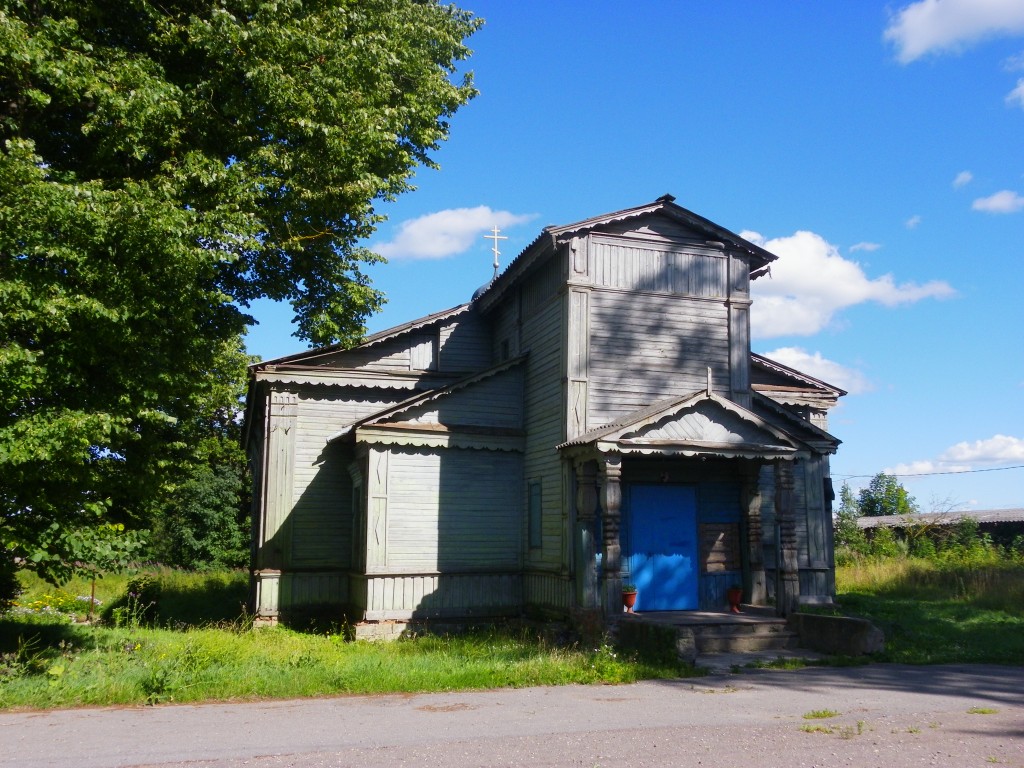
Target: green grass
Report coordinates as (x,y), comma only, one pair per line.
(934,614)
(821,714)
(63,665)
(203,649)
(187,599)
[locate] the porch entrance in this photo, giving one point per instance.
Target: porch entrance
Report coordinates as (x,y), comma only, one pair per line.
(661,546)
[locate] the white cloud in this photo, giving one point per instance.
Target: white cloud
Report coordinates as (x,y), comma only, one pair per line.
(1014,63)
(811,282)
(912,222)
(864,247)
(1016,96)
(998,449)
(962,179)
(923,467)
(829,371)
(981,454)
(446,233)
(939,26)
(1005,201)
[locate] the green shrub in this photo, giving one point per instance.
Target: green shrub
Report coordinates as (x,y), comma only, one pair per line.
(885,543)
(138,606)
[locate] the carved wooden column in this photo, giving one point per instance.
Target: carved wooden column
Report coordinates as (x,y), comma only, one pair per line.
(757,590)
(788,596)
(611,504)
(586,540)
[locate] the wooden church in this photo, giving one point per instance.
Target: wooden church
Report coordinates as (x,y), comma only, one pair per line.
(592,417)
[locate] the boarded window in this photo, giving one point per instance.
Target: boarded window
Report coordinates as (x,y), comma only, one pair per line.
(720,547)
(535,515)
(423,355)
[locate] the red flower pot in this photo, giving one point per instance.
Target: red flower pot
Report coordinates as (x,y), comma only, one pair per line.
(735,596)
(629,600)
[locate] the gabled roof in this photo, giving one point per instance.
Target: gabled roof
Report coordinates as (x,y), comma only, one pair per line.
(307,357)
(701,423)
(796,425)
(792,377)
(383,416)
(665,205)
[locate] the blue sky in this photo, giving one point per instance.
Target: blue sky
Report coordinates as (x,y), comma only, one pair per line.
(875,148)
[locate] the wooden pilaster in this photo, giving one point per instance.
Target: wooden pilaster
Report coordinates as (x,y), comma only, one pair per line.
(611,504)
(788,596)
(586,518)
(274,546)
(756,588)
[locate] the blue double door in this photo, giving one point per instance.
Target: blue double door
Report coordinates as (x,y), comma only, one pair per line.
(661,546)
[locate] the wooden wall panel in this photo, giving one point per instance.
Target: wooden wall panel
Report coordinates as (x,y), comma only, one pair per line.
(543,334)
(657,268)
(548,590)
(465,345)
(321,516)
(393,354)
(494,402)
(458,595)
(646,348)
(453,509)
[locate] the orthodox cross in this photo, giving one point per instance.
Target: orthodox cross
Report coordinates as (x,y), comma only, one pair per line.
(495,237)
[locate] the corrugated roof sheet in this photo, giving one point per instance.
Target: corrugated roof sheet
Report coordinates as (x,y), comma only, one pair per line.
(375,338)
(943,518)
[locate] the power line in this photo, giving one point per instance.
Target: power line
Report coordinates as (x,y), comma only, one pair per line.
(948,472)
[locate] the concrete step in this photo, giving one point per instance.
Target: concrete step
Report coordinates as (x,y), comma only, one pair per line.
(761,627)
(733,637)
(744,642)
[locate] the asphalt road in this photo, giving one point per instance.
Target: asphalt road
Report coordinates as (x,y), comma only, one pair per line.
(889,715)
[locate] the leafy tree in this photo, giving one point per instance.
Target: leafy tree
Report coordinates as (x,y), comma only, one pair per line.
(848,534)
(163,164)
(885,496)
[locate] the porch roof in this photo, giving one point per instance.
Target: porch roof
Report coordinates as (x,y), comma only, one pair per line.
(698,424)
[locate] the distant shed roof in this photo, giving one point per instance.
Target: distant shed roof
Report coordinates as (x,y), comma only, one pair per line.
(983,516)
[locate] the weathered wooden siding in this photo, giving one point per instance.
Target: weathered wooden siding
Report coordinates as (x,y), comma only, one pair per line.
(321,516)
(493,402)
(657,268)
(453,510)
(646,347)
(434,595)
(506,329)
(817,578)
(813,529)
(543,337)
(397,354)
(278,593)
(553,591)
(465,345)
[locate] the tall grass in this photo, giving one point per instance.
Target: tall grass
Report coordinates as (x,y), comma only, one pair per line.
(997,585)
(940,610)
(187,598)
